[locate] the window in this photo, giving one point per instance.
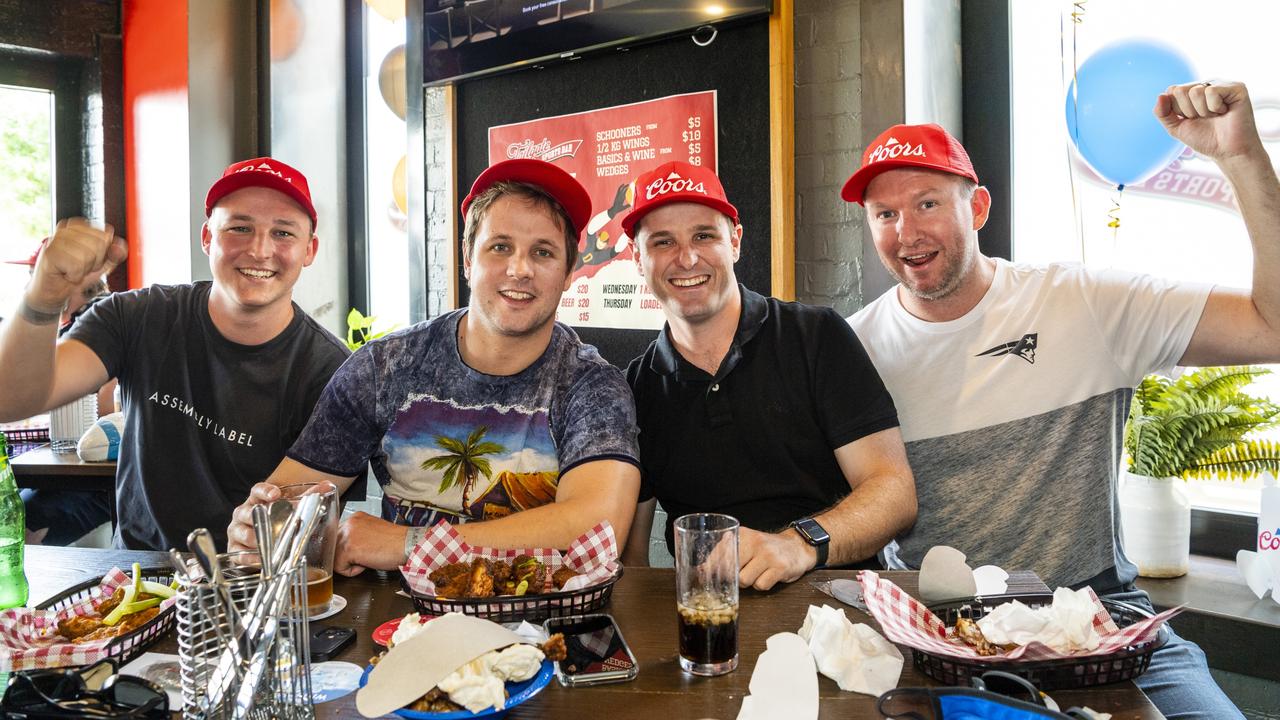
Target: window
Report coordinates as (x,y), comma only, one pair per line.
(26,183)
(385,166)
(1180,224)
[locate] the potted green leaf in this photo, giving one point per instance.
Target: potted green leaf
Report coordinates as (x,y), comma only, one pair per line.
(1200,426)
(360,329)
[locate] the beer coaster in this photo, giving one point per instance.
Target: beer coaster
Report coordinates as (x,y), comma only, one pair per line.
(383,633)
(336,605)
(334,679)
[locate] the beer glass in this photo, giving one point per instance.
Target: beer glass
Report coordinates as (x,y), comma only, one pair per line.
(707,592)
(320,546)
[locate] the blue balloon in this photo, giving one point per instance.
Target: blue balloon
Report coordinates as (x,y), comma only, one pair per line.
(1109,117)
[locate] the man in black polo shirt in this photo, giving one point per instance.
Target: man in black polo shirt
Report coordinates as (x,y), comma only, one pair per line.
(765,410)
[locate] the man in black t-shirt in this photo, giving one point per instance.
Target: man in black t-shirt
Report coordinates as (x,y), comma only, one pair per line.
(765,410)
(218,378)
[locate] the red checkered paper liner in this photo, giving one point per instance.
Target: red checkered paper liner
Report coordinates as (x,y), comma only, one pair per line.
(29,639)
(594,555)
(906,621)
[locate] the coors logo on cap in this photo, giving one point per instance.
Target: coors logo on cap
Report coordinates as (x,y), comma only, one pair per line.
(673,183)
(893,149)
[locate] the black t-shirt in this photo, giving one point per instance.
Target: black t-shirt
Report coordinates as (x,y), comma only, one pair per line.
(205,418)
(757,440)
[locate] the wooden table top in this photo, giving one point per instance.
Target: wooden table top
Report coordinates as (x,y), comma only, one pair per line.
(643,604)
(44,461)
(43,468)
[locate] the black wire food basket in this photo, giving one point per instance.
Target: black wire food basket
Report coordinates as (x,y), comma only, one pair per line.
(130,645)
(513,608)
(1059,674)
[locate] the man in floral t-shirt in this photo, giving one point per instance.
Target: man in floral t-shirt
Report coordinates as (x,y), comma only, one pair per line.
(493,417)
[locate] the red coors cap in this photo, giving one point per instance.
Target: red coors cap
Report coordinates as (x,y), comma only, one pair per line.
(556,182)
(262,172)
(923,146)
(677,182)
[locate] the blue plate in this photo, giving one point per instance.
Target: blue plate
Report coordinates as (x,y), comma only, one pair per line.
(516,694)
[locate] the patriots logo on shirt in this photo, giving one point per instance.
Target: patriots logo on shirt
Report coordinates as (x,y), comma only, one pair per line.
(1024,348)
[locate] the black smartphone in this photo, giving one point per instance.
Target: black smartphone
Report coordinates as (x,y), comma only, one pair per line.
(328,641)
(595,650)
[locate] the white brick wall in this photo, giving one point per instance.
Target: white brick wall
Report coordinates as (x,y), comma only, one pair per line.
(828,119)
(437,172)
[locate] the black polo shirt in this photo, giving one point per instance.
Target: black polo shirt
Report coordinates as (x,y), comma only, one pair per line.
(757,439)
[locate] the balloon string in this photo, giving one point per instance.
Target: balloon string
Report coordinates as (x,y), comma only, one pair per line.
(1077,17)
(1114,215)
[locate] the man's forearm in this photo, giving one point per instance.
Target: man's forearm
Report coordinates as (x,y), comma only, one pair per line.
(554,525)
(868,518)
(26,363)
(1257,191)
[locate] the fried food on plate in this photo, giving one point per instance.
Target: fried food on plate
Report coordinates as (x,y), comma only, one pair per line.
(969,632)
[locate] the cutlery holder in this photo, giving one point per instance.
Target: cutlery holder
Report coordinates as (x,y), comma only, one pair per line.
(204,634)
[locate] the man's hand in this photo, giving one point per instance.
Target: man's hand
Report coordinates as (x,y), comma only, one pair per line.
(365,541)
(766,559)
(1214,120)
(240,535)
(77,252)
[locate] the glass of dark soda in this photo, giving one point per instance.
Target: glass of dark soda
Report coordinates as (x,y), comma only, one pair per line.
(706,547)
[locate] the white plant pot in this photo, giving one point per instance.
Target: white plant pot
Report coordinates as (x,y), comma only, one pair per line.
(1155,519)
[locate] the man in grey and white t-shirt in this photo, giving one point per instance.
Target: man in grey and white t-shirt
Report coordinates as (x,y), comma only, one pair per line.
(494,417)
(1012,382)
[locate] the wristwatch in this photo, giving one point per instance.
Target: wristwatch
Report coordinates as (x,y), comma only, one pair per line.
(813,534)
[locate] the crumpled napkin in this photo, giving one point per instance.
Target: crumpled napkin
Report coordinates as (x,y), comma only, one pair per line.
(857,657)
(1066,625)
(783,685)
(1261,572)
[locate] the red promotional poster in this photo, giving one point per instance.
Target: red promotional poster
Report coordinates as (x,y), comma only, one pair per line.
(606,150)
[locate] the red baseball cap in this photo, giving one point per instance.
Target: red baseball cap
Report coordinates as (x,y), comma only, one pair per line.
(262,172)
(923,146)
(35,255)
(677,182)
(556,182)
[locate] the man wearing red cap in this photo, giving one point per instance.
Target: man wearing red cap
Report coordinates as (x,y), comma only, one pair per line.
(493,417)
(765,410)
(218,378)
(1013,382)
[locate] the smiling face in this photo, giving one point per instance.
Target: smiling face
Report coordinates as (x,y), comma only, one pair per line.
(925,227)
(258,240)
(686,255)
(517,268)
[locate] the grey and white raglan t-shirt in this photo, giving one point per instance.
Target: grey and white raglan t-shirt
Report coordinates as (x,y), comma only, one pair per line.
(1013,415)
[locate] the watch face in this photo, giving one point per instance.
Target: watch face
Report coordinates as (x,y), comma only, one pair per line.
(812,531)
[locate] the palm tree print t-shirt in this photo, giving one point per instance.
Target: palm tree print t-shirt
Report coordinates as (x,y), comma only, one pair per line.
(448,442)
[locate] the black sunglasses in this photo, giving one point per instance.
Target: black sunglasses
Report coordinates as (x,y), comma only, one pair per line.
(95,691)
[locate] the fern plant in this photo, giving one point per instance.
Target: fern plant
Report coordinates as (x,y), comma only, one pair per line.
(1200,426)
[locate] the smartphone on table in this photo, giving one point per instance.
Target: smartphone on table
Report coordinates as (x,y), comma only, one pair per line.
(328,640)
(595,650)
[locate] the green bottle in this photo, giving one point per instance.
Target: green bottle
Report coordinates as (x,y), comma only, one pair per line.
(13,534)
